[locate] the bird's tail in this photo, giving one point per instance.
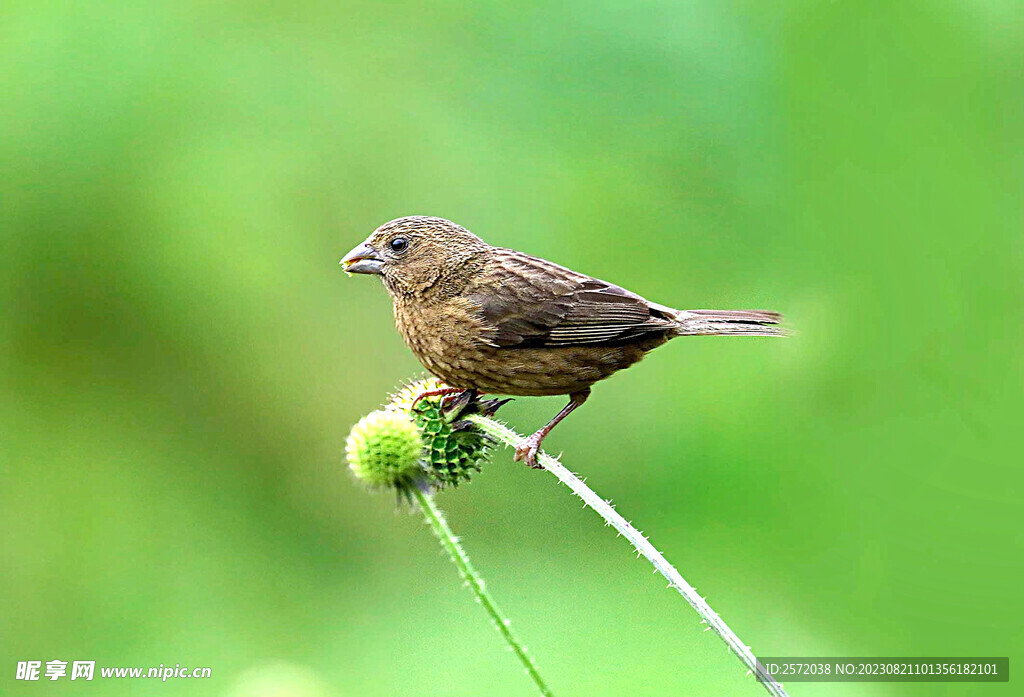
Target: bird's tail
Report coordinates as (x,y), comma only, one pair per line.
(729,323)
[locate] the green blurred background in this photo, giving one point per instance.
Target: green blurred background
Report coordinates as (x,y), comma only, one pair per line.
(182,357)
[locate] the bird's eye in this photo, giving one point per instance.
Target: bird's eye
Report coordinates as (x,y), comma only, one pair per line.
(398,244)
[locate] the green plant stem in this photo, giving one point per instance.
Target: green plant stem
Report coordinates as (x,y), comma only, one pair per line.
(642,546)
(458,555)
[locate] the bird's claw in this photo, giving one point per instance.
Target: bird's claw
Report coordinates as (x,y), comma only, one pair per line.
(443,393)
(526,452)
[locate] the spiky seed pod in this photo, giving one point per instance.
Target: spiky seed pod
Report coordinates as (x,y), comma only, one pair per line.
(385,449)
(453,449)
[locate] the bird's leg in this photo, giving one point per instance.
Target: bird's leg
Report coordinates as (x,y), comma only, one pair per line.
(527,450)
(443,392)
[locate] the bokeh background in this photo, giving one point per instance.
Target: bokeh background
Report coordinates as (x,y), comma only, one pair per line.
(182,357)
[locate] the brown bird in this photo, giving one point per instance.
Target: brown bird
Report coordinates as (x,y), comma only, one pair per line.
(494,320)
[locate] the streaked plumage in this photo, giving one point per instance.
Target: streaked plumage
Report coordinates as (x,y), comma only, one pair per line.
(499,321)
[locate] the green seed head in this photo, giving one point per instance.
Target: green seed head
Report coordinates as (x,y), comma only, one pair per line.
(453,449)
(384,449)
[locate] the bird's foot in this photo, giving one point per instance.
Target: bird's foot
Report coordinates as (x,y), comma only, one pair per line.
(443,392)
(527,449)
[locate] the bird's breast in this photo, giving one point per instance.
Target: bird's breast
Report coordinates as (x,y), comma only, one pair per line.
(445,337)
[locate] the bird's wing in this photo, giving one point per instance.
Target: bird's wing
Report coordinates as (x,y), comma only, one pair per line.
(526,302)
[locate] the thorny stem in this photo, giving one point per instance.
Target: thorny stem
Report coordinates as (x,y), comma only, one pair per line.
(642,546)
(458,555)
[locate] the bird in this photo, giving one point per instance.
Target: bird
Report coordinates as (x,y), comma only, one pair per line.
(491,320)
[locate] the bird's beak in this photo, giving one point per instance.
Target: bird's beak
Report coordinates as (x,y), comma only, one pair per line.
(363,259)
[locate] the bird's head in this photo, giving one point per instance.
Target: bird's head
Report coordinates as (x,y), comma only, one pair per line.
(413,254)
